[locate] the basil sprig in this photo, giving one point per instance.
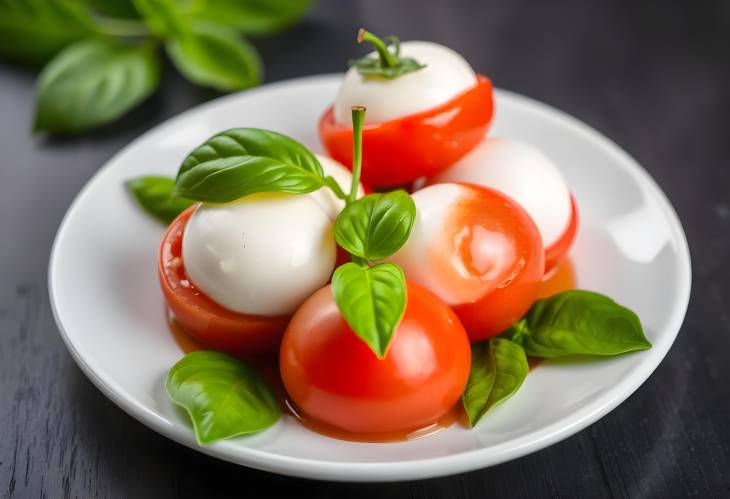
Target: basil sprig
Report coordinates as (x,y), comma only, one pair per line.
(579,322)
(498,369)
(388,64)
(223,396)
(104,54)
(244,161)
(154,195)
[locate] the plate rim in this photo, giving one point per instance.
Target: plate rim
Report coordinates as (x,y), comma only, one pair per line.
(417,468)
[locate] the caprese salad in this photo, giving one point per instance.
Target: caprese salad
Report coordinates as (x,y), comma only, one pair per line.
(382,311)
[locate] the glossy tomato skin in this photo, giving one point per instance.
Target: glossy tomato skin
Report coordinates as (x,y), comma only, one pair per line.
(399,151)
(202,318)
(333,377)
(556,252)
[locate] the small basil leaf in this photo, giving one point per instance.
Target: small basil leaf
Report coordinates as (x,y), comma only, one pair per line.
(154,195)
(582,322)
(377,225)
(223,396)
(498,369)
(93,82)
(244,161)
(372,300)
(33,31)
(252,17)
(163,17)
(216,57)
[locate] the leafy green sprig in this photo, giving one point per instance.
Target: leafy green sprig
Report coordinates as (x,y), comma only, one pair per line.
(389,64)
(103,55)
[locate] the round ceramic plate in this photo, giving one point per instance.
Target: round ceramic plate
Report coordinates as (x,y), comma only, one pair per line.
(110,312)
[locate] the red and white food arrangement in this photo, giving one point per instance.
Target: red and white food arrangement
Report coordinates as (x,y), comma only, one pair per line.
(378,312)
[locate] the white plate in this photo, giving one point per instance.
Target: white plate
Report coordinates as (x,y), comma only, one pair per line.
(109,309)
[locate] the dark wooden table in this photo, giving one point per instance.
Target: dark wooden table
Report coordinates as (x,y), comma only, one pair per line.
(653,76)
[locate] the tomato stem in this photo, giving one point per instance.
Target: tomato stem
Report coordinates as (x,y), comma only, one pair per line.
(358,117)
(387,59)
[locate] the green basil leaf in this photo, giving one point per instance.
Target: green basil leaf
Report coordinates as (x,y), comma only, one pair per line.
(216,57)
(33,31)
(377,225)
(164,17)
(372,67)
(154,195)
(245,161)
(498,369)
(92,83)
(223,396)
(372,300)
(581,322)
(252,17)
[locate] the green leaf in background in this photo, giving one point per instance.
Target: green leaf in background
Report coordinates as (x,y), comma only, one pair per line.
(377,225)
(580,322)
(251,17)
(223,396)
(154,195)
(372,300)
(116,8)
(33,31)
(93,82)
(163,17)
(498,369)
(216,57)
(244,161)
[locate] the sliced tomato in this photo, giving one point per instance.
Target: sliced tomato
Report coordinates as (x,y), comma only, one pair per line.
(399,151)
(556,252)
(202,318)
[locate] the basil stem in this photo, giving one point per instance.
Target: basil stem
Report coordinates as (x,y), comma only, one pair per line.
(387,59)
(358,117)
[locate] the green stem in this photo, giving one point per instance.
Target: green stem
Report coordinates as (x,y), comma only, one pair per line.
(122,27)
(358,118)
(387,59)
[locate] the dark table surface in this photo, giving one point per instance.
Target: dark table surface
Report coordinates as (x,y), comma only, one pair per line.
(654,76)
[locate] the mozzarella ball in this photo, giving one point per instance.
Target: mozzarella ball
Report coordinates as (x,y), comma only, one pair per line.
(525,174)
(325,198)
(446,75)
(261,255)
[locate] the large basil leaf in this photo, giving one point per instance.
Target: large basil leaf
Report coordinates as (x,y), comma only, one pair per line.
(498,369)
(33,31)
(253,17)
(93,82)
(581,322)
(154,195)
(223,396)
(216,57)
(244,161)
(377,225)
(372,300)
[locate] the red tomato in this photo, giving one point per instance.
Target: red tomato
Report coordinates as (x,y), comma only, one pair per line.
(418,145)
(556,252)
(333,376)
(201,317)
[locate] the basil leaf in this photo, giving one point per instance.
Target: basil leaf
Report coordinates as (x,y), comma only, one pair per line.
(581,322)
(154,195)
(223,396)
(377,225)
(372,67)
(498,369)
(163,17)
(216,57)
(93,82)
(33,31)
(372,300)
(244,161)
(252,17)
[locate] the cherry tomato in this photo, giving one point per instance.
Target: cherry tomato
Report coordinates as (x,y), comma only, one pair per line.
(333,376)
(201,317)
(556,252)
(418,145)
(478,250)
